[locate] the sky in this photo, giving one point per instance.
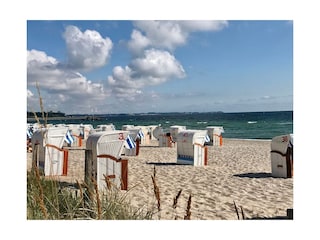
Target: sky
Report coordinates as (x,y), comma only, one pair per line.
(124,66)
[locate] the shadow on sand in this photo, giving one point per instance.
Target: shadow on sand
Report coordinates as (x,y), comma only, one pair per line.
(254,175)
(167,164)
(288,217)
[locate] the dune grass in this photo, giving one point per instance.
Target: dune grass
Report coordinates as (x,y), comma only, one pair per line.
(48,198)
(51,199)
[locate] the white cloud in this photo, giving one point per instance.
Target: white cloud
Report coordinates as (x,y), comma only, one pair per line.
(86,50)
(62,87)
(163,34)
(154,68)
(158,64)
(138,42)
(39,57)
(196,26)
(169,34)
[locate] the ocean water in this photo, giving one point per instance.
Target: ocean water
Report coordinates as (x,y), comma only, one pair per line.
(246,125)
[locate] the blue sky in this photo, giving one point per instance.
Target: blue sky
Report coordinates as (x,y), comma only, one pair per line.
(160,66)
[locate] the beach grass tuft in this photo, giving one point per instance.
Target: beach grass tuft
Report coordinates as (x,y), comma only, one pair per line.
(51,199)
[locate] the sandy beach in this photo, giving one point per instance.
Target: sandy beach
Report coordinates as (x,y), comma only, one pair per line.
(238,172)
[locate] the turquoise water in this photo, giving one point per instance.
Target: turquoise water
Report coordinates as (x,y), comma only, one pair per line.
(247,125)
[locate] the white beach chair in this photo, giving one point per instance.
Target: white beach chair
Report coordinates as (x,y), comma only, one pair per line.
(103,161)
(191,147)
(215,134)
(282,156)
(47,152)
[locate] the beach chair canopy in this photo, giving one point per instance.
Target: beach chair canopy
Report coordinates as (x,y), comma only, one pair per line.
(107,142)
(192,136)
(281,143)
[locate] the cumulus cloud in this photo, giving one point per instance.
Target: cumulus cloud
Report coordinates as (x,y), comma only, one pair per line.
(63,86)
(168,34)
(86,50)
(138,42)
(162,34)
(61,82)
(159,64)
(153,68)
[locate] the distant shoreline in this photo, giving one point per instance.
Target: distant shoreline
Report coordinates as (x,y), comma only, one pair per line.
(103,116)
(32,119)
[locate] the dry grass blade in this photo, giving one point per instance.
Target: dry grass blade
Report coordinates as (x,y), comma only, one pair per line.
(156,192)
(80,187)
(97,198)
(41,195)
(243,217)
(235,206)
(156,189)
(175,200)
(188,212)
(81,192)
(89,189)
(40,100)
(41,106)
(154,171)
(107,180)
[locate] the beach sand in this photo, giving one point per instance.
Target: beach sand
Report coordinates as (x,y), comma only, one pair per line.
(238,172)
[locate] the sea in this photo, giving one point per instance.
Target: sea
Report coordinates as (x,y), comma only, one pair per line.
(241,125)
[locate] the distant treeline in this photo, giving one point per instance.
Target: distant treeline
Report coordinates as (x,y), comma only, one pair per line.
(46,114)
